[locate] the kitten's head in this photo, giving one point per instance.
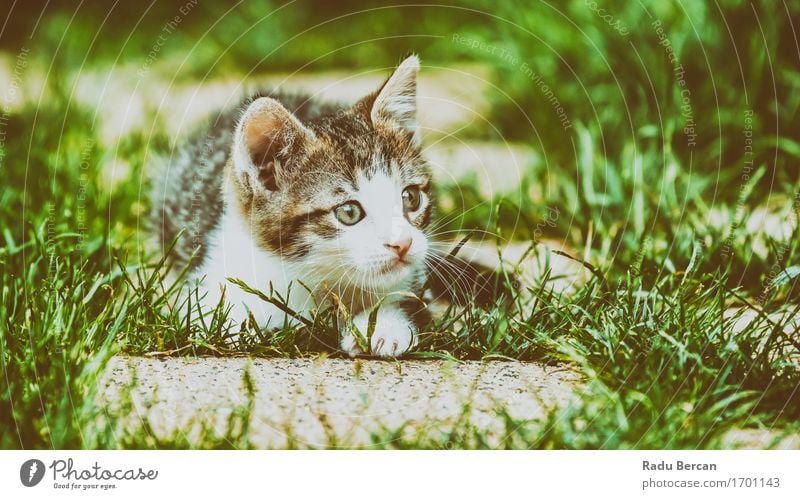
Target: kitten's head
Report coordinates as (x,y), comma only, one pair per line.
(344,196)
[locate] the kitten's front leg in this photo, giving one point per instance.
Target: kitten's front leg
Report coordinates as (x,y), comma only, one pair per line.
(393,336)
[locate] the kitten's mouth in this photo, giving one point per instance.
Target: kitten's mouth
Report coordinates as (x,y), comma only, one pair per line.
(393,266)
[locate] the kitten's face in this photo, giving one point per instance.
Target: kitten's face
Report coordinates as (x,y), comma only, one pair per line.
(367,229)
(344,198)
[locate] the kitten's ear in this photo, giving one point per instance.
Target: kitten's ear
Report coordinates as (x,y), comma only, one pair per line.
(266,136)
(397,99)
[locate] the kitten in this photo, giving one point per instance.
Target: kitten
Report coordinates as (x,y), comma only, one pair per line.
(284,190)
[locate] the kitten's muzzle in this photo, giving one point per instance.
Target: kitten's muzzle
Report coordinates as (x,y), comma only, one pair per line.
(399,247)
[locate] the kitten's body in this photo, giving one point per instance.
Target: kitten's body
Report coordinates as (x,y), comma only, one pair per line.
(270,194)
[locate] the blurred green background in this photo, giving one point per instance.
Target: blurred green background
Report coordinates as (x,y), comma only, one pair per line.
(635,159)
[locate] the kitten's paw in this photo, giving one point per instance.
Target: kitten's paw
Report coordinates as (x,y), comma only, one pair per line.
(393,335)
(391,342)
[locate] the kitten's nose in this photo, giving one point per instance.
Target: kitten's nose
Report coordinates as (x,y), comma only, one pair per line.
(400,246)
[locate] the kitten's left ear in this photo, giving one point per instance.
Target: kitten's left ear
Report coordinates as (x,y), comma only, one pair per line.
(397,99)
(266,137)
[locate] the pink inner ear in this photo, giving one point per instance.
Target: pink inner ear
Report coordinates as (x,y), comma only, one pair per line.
(261,136)
(264,139)
(267,134)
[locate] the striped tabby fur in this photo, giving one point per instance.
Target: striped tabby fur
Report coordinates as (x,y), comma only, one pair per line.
(258,194)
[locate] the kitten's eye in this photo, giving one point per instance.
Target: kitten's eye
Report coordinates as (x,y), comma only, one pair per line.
(349,213)
(412,198)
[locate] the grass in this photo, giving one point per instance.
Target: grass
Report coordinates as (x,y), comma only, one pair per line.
(667,227)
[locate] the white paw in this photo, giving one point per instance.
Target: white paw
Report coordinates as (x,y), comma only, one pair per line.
(349,343)
(392,337)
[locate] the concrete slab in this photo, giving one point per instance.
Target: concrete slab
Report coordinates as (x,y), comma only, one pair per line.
(332,402)
(753,438)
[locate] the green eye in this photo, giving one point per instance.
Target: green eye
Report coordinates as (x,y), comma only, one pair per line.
(349,213)
(412,198)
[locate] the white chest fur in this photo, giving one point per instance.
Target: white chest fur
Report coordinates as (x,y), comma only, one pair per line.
(232,253)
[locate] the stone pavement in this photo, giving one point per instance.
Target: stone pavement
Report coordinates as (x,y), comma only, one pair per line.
(340,402)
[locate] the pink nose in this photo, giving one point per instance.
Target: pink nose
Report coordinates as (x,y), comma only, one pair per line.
(400,247)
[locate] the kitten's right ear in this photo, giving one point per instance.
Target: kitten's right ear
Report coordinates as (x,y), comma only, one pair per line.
(266,136)
(396,101)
